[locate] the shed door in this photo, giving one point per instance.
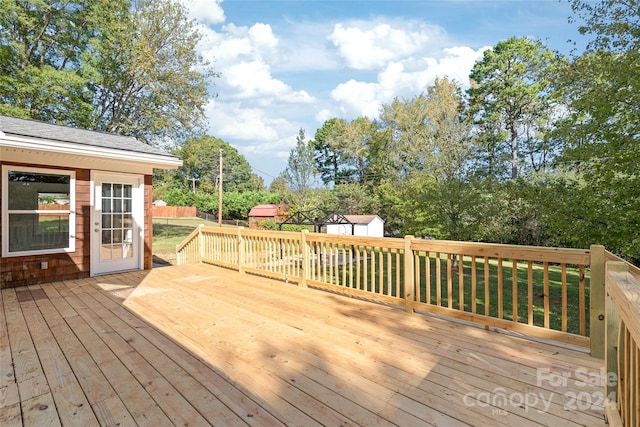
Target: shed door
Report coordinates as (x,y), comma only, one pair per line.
(117,223)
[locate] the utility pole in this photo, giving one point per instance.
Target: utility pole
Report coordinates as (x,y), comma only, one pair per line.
(220,193)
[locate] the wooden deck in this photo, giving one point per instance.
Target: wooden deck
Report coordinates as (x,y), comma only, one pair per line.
(200,345)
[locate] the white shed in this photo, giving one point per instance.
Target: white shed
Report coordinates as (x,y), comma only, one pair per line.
(363,225)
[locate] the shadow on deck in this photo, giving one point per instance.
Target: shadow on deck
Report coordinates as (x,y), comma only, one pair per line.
(201,345)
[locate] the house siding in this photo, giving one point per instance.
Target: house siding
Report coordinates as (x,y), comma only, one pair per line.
(25,270)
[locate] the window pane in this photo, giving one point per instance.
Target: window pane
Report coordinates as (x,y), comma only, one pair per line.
(28,190)
(106,205)
(117,190)
(106,190)
(127,191)
(117,205)
(127,205)
(29,232)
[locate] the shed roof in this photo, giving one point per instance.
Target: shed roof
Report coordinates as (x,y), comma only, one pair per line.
(267,210)
(51,137)
(362,219)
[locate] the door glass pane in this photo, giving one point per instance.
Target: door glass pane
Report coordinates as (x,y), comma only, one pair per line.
(117,222)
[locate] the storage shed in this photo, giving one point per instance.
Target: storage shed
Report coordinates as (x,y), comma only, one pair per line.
(361,225)
(74,202)
(274,212)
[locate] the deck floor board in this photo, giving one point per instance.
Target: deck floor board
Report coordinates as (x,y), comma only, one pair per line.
(200,345)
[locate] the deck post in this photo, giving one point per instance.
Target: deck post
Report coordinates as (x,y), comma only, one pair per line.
(305,258)
(240,250)
(597,292)
(409,282)
(612,333)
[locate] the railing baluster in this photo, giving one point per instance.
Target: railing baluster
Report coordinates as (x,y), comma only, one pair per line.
(514,289)
(460,282)
(474,284)
(500,290)
(449,283)
(583,304)
(565,316)
(546,294)
(530,292)
(438,281)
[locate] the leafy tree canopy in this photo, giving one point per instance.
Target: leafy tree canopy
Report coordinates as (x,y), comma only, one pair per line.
(123,66)
(201,166)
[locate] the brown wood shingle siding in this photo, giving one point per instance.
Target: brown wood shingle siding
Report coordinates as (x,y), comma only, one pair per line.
(25,270)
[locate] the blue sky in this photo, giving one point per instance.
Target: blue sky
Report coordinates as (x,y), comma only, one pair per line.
(287,65)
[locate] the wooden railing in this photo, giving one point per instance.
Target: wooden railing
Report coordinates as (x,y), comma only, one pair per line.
(544,292)
(622,358)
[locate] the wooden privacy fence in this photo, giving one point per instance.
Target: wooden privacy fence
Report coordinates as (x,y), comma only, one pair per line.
(544,292)
(622,358)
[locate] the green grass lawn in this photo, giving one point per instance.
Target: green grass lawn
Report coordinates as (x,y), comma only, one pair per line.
(169,232)
(554,278)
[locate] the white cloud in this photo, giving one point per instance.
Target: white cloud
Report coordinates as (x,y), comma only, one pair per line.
(253,80)
(238,43)
(323,115)
(405,78)
(205,11)
(366,47)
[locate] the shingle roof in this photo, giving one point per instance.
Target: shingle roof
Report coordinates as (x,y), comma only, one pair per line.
(35,129)
(361,219)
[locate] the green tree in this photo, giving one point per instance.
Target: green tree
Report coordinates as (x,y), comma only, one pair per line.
(512,97)
(111,65)
(300,174)
(355,199)
(435,195)
(201,166)
(602,133)
(327,151)
(278,185)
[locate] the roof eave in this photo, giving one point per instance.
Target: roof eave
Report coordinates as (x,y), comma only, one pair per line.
(58,147)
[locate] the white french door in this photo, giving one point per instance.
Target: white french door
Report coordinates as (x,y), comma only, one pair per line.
(117,222)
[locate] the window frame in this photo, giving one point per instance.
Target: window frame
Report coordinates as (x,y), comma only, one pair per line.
(6,211)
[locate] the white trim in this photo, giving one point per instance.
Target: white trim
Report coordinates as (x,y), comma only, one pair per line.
(77,149)
(5,210)
(137,211)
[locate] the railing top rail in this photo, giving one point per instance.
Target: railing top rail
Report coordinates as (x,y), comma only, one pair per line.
(382,242)
(496,250)
(635,271)
(624,290)
(188,239)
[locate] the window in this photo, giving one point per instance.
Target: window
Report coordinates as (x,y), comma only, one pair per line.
(38,211)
